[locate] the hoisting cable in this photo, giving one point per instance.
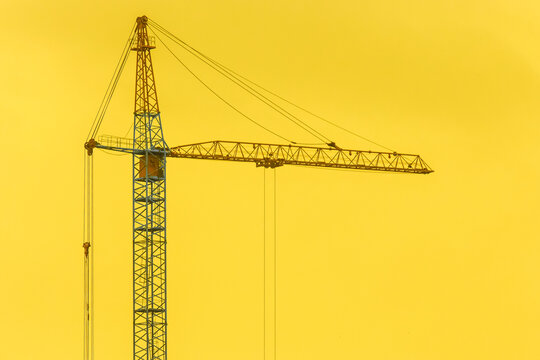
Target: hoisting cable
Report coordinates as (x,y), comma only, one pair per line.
(241,77)
(86,282)
(239,82)
(88,246)
(217,95)
(264,263)
(275,267)
(111,88)
(88,206)
(270,263)
(92,292)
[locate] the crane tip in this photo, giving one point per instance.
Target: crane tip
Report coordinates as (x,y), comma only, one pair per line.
(142,20)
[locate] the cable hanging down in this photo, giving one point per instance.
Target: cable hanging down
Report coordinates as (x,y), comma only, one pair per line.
(238,79)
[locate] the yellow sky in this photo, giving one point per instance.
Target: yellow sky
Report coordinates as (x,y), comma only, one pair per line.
(370,266)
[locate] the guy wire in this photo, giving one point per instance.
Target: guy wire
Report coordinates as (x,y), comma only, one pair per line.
(239,77)
(110,88)
(216,94)
(216,66)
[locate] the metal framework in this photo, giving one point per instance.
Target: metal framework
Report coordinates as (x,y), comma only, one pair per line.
(275,155)
(150,151)
(272,155)
(149,210)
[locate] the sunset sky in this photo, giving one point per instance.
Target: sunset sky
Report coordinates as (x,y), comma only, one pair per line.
(376,266)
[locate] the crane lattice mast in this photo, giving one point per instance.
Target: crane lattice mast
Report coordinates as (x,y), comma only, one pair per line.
(149,154)
(149,209)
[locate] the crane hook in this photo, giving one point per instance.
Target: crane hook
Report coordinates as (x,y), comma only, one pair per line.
(86,246)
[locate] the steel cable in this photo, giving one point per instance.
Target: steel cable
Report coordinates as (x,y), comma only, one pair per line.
(110,88)
(241,77)
(217,95)
(239,82)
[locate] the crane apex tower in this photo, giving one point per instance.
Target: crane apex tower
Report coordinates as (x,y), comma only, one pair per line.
(149,208)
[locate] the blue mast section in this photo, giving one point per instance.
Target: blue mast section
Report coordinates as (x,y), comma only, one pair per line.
(149,210)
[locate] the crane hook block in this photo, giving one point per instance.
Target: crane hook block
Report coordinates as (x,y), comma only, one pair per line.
(86,246)
(90,145)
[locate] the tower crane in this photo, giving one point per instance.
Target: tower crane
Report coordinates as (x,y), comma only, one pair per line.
(149,176)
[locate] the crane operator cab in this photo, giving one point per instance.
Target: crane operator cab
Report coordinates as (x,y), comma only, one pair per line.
(154,166)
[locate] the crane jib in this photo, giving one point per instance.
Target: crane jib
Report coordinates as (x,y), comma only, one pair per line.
(275,155)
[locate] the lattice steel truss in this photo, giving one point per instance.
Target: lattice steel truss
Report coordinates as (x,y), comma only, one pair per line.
(149,210)
(273,155)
